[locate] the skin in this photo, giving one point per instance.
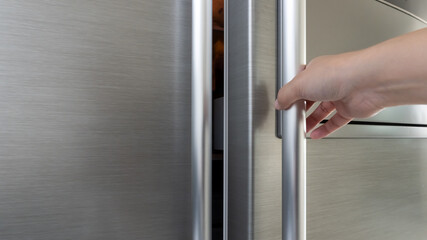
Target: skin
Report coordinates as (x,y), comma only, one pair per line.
(360,84)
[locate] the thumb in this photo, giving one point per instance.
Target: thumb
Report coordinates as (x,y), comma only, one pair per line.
(288,95)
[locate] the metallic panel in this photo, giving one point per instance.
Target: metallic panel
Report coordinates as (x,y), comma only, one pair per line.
(254,153)
(417,8)
(367,189)
(291,57)
(95,109)
(225,133)
(240,165)
(336,26)
(201,120)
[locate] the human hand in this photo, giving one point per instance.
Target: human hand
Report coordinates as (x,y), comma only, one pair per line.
(339,83)
(361,83)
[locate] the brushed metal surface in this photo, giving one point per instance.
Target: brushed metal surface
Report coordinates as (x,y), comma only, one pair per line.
(201,120)
(95,108)
(254,155)
(367,189)
(291,57)
(336,26)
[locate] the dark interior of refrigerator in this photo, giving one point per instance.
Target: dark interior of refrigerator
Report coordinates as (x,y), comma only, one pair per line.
(218,96)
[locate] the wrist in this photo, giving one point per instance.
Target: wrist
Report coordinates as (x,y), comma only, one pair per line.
(360,71)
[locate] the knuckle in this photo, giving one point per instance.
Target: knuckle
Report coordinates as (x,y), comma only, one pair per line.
(323,108)
(334,124)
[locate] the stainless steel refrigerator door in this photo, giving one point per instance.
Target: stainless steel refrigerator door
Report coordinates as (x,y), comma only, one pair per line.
(254,153)
(95,113)
(367,189)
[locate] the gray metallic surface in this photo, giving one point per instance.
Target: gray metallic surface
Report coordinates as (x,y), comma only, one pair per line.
(417,8)
(336,26)
(95,119)
(291,45)
(201,120)
(254,155)
(240,157)
(367,189)
(225,133)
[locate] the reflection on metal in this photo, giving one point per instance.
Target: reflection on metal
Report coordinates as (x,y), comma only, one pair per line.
(201,128)
(400,5)
(291,41)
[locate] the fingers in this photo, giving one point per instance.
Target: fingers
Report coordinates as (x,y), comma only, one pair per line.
(321,112)
(287,96)
(336,122)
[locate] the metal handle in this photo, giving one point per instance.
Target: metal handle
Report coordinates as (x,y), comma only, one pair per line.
(291,123)
(201,121)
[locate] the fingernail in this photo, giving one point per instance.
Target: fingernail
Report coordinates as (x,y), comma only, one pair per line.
(315,134)
(276,105)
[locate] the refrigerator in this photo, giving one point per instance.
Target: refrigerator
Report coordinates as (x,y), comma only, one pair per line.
(116,125)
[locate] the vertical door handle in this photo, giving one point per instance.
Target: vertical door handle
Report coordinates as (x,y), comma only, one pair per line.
(291,123)
(201,119)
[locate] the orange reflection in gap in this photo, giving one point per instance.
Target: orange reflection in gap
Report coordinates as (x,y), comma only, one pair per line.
(218,48)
